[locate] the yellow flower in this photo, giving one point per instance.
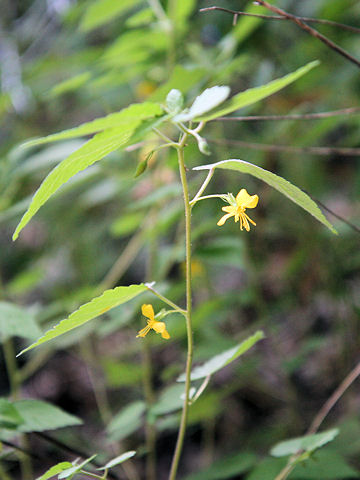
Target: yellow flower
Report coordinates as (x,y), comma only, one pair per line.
(237,208)
(159,327)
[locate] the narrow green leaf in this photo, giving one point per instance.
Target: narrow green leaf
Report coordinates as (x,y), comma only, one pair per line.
(92,151)
(133,113)
(279,183)
(55,470)
(70,472)
(39,416)
(70,84)
(16,321)
(307,443)
(117,460)
(101,12)
(127,421)
(99,305)
(252,95)
(169,401)
(220,361)
(206,101)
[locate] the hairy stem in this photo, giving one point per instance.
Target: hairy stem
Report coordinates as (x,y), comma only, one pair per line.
(185,410)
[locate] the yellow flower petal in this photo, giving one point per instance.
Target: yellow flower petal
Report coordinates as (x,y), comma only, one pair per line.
(243,199)
(148,311)
(165,334)
(160,327)
(224,218)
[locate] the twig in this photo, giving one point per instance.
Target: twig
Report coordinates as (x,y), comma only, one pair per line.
(329,43)
(285,148)
(319,418)
(329,404)
(321,21)
(304,116)
(20,449)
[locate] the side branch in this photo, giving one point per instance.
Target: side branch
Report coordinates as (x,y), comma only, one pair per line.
(303,116)
(320,21)
(329,43)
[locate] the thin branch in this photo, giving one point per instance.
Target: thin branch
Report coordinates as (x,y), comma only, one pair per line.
(320,417)
(276,17)
(304,116)
(329,404)
(20,449)
(314,33)
(289,149)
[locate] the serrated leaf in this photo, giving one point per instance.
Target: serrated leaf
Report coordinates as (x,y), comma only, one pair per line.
(15,321)
(55,470)
(127,421)
(220,361)
(99,305)
(252,95)
(207,100)
(101,12)
(91,152)
(39,416)
(307,443)
(135,112)
(70,472)
(117,460)
(283,186)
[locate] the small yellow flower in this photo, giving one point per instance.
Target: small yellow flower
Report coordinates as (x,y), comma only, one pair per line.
(237,208)
(159,327)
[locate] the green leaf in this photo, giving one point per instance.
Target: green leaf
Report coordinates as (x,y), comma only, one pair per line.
(99,305)
(133,114)
(39,416)
(127,421)
(117,460)
(92,151)
(207,100)
(9,416)
(70,472)
(170,400)
(252,95)
(17,322)
(103,11)
(279,183)
(227,467)
(70,84)
(55,470)
(307,443)
(220,361)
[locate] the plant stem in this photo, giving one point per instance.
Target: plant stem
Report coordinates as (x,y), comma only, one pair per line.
(150,428)
(184,415)
(203,186)
(166,300)
(11,367)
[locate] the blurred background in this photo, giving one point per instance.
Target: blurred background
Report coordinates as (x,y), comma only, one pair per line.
(62,63)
